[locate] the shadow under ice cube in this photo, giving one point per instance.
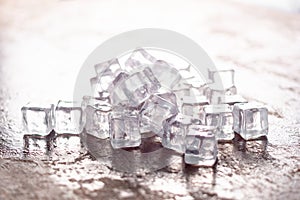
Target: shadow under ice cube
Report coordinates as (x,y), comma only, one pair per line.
(68,117)
(124,130)
(250,120)
(219,116)
(38,119)
(201,146)
(97,119)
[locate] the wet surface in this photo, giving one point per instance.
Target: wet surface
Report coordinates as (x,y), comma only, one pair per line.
(42,47)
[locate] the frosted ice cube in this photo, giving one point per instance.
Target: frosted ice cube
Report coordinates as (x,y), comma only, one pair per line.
(227,79)
(175,130)
(38,119)
(157,109)
(68,117)
(167,75)
(250,120)
(201,146)
(138,58)
(124,129)
(97,118)
(221,117)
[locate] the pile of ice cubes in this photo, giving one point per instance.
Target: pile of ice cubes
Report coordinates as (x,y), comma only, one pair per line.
(146,97)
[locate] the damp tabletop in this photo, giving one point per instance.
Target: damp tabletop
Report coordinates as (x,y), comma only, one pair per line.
(44,44)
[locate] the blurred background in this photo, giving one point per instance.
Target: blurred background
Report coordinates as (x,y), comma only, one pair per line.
(44,43)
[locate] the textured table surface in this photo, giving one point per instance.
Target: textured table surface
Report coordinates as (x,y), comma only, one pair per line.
(43,45)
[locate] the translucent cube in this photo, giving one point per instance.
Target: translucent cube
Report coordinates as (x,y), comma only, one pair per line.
(138,58)
(175,130)
(136,88)
(167,75)
(250,120)
(124,129)
(201,146)
(106,74)
(38,119)
(192,105)
(157,109)
(68,117)
(227,79)
(219,116)
(97,118)
(233,99)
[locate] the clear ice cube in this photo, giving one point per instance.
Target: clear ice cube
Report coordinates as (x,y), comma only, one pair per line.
(68,117)
(175,130)
(124,129)
(106,74)
(192,105)
(157,109)
(221,117)
(138,58)
(136,88)
(97,118)
(250,120)
(38,119)
(227,79)
(167,75)
(201,146)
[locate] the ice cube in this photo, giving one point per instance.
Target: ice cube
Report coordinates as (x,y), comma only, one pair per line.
(201,146)
(106,74)
(124,129)
(110,67)
(135,89)
(157,109)
(175,130)
(38,119)
(221,117)
(97,118)
(167,75)
(233,99)
(68,117)
(192,105)
(138,58)
(250,120)
(227,79)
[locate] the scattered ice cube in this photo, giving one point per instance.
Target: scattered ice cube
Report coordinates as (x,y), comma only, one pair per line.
(175,130)
(38,119)
(124,129)
(68,117)
(157,109)
(250,120)
(138,58)
(221,117)
(201,146)
(97,118)
(167,75)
